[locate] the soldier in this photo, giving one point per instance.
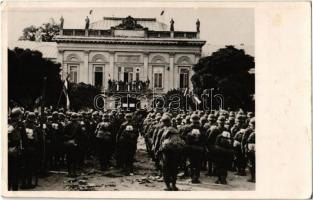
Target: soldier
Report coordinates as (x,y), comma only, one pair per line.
(30,152)
(171,148)
(224,156)
(73,132)
(104,141)
(194,137)
(211,135)
(15,131)
(57,132)
(248,145)
(126,144)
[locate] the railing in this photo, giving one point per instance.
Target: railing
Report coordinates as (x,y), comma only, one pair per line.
(108,33)
(127,87)
(159,34)
(183,34)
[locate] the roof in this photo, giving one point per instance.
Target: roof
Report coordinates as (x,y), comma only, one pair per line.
(108,22)
(48,49)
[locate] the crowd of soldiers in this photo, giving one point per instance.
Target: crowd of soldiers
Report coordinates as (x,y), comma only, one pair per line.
(216,141)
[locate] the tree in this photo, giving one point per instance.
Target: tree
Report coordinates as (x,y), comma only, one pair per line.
(227,72)
(82,95)
(26,72)
(45,32)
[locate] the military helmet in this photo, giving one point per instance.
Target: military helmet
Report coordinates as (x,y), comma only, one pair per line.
(252,121)
(250,114)
(165,118)
(194,118)
(55,114)
(31,116)
(211,117)
(221,119)
(74,116)
(225,134)
(203,120)
(128,116)
(16,112)
(105,116)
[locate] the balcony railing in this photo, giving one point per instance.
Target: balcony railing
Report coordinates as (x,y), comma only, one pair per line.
(110,33)
(127,87)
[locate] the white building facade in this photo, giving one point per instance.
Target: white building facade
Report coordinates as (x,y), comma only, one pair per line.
(123,51)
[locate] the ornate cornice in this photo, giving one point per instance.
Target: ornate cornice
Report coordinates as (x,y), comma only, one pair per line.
(176,42)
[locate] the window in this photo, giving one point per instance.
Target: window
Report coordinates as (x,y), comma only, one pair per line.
(158,80)
(158,77)
(184,78)
(128,74)
(137,74)
(73,75)
(98,76)
(119,69)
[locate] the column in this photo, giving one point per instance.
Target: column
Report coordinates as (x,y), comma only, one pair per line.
(84,74)
(197,57)
(90,75)
(145,65)
(172,77)
(63,66)
(113,75)
(172,74)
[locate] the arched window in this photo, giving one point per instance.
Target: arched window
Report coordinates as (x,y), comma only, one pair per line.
(98,58)
(158,59)
(73,67)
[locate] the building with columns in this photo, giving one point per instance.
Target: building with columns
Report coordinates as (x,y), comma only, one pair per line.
(127,50)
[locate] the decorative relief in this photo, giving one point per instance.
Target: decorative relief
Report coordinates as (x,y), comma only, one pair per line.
(128,58)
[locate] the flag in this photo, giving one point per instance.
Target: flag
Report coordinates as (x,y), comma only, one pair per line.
(90,12)
(196,99)
(186,92)
(65,89)
(162,12)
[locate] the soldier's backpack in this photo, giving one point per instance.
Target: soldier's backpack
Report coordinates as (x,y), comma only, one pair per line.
(194,134)
(103,131)
(129,133)
(173,141)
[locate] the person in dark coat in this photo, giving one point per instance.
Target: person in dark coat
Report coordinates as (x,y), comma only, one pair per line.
(126,144)
(30,153)
(15,131)
(73,132)
(211,135)
(224,155)
(171,147)
(194,137)
(104,141)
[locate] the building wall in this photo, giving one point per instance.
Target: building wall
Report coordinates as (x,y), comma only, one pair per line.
(145,58)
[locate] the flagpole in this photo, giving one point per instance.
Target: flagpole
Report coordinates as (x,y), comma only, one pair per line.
(60,95)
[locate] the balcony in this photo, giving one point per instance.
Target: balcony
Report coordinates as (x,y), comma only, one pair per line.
(121,87)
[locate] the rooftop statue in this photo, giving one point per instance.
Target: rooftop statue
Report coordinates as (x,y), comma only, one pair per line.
(198,25)
(87,23)
(172,24)
(61,22)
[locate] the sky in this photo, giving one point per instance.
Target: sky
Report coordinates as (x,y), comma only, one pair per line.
(219,26)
